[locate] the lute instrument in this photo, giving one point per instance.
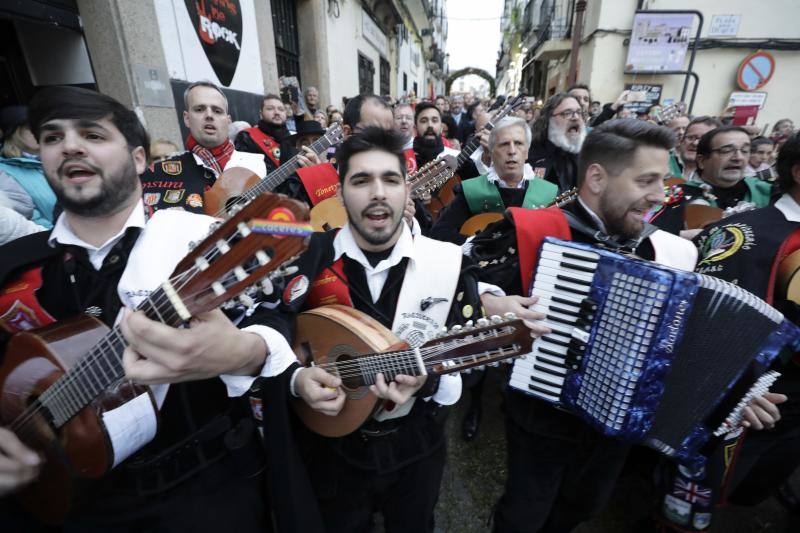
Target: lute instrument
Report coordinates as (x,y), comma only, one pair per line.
(57,382)
(238,185)
(477,223)
(354,346)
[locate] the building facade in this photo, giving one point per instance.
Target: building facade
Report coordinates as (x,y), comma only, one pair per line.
(732,30)
(145,53)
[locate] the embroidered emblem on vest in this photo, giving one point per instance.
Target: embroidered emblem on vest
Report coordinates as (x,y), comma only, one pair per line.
(151,198)
(195,200)
(173,196)
(173,168)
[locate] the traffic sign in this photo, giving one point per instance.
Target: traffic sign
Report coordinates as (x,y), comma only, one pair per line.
(755,71)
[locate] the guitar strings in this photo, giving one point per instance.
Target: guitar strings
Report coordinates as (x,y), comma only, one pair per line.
(255,190)
(354,367)
(79,370)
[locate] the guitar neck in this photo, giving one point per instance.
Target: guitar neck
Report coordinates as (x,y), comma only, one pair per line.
(101,368)
(271,181)
(427,359)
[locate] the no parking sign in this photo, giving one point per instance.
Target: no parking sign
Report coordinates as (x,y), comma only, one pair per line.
(755,71)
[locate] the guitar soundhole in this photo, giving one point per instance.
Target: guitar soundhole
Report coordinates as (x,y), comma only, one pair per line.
(231,202)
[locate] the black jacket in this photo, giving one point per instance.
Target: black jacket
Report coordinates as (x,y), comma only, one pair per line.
(560,167)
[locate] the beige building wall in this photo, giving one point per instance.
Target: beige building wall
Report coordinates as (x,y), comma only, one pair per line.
(603,54)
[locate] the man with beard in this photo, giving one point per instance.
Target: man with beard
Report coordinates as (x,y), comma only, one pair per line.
(393,463)
(103,254)
(181,180)
(560,130)
(722,156)
(428,144)
(561,471)
(404,124)
(266,137)
(510,182)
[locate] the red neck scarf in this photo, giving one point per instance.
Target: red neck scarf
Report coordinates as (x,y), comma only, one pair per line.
(214,158)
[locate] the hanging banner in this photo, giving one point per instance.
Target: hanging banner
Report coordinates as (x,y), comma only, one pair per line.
(658,42)
(218,24)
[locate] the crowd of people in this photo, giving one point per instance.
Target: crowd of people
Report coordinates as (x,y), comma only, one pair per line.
(94,215)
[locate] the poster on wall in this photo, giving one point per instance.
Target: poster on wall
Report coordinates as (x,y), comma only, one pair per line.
(658,42)
(218,24)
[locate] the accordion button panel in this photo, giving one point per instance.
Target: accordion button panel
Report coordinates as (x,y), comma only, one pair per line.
(562,281)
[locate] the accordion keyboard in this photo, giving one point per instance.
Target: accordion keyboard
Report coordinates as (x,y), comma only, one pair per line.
(562,284)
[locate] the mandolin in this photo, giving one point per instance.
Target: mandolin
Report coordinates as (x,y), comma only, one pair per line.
(57,382)
(352,345)
(477,223)
(238,185)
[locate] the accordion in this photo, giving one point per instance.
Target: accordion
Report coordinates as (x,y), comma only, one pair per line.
(648,354)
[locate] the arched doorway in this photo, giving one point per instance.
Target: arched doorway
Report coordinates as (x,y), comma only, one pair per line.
(470,70)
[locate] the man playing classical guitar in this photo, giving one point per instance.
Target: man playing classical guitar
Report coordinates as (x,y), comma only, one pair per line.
(510,182)
(182,475)
(393,463)
(181,180)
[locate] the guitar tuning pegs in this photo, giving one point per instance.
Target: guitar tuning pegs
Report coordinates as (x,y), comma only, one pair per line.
(510,316)
(482,322)
(469,324)
(456,328)
(246,300)
(467,371)
(496,319)
(495,364)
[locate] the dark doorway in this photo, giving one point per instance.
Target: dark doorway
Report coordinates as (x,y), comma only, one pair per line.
(15,81)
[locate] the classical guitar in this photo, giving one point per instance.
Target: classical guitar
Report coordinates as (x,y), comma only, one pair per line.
(787,282)
(236,186)
(477,223)
(57,382)
(356,347)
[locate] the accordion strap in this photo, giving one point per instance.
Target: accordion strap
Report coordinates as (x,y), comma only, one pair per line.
(607,240)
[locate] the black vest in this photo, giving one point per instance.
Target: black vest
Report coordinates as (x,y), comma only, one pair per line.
(742,248)
(176,182)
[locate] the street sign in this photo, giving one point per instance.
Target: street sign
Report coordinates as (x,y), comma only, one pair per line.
(739,99)
(755,71)
(724,25)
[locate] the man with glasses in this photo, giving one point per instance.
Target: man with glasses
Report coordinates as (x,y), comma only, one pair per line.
(559,134)
(687,144)
(721,156)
